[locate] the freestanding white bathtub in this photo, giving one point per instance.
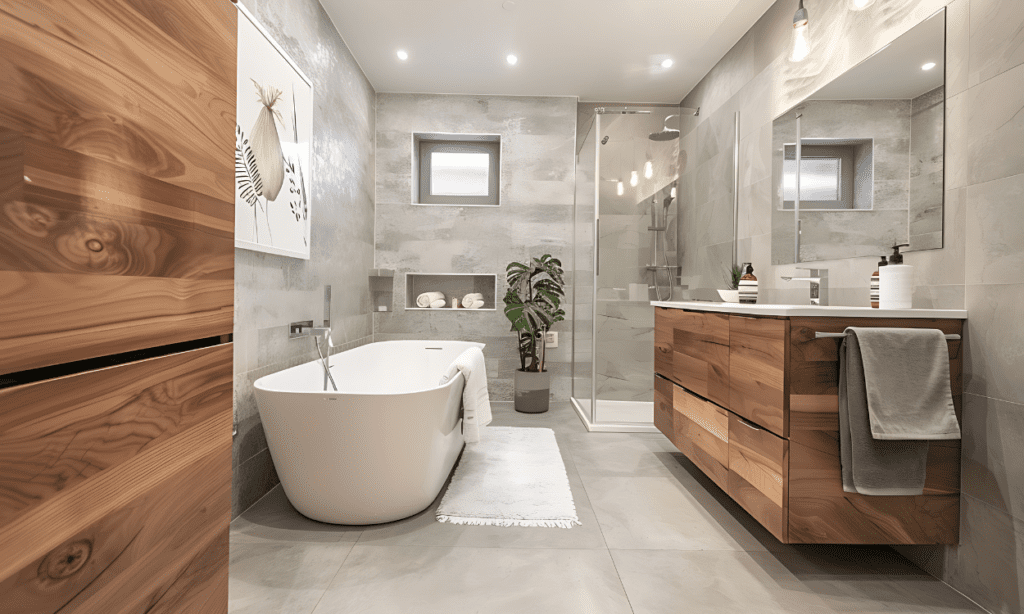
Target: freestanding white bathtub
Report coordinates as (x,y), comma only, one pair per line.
(380,448)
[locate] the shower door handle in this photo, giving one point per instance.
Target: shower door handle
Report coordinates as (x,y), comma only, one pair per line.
(597,247)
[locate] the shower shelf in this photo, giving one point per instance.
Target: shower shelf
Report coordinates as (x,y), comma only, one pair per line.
(661,268)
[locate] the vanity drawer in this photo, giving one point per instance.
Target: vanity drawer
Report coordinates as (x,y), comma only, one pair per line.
(702,434)
(700,359)
(663,411)
(757,371)
(758,474)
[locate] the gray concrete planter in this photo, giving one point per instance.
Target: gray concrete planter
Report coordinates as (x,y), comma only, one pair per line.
(532,392)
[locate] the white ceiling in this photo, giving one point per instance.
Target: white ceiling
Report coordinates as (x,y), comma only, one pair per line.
(894,73)
(599,50)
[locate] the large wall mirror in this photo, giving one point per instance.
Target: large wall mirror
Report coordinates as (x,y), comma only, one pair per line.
(858,165)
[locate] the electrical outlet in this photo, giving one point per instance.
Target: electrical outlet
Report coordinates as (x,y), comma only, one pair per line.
(551,339)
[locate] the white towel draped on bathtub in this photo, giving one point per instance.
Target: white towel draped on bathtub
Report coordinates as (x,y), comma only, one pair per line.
(428,298)
(475,397)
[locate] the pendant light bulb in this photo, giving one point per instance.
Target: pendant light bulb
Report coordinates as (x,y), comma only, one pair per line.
(634,178)
(801,35)
(673,192)
(860,5)
(648,170)
(620,189)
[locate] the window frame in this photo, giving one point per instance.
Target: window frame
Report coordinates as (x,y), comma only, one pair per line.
(453,143)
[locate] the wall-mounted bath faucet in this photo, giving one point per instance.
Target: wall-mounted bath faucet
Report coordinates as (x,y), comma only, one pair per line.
(819,284)
(306,329)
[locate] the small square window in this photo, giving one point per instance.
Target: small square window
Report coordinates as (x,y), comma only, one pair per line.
(458,170)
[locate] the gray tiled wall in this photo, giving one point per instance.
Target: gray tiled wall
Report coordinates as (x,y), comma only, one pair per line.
(535,217)
(980,267)
(271,291)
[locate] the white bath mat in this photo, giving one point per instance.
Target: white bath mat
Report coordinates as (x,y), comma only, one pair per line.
(514,477)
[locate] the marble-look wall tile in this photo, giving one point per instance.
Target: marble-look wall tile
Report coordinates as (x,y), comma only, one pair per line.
(995,232)
(995,127)
(538,190)
(997,38)
(995,342)
(993,462)
(988,565)
(958,35)
(272,291)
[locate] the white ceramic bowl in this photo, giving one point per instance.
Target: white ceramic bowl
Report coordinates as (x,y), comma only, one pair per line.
(730,296)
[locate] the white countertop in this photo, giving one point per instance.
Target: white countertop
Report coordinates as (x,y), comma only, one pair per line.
(829,311)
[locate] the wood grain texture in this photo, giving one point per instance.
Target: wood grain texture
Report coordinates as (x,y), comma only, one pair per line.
(759,474)
(163,549)
(663,413)
(821,512)
(143,85)
(702,435)
(694,350)
(58,433)
(116,234)
(814,368)
(116,161)
(758,358)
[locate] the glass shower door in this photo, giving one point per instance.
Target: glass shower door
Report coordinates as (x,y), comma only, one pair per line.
(625,243)
(583,277)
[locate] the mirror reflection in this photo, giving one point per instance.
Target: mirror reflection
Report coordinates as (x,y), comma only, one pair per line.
(858,166)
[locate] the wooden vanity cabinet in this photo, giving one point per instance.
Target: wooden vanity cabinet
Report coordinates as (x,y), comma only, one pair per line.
(752,401)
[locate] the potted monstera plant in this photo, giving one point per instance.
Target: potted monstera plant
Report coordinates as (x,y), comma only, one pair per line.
(533,305)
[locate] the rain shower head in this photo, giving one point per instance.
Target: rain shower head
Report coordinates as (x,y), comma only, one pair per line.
(671,134)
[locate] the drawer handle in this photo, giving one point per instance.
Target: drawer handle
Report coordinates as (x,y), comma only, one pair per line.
(749,425)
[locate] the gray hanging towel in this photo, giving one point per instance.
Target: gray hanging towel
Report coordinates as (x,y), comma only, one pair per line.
(894,396)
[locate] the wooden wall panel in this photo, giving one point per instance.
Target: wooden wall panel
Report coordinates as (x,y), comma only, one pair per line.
(116,176)
(125,475)
(117,122)
(58,433)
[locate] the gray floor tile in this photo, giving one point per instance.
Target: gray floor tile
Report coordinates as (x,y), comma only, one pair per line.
(658,513)
(273,519)
(427,580)
(281,578)
(673,581)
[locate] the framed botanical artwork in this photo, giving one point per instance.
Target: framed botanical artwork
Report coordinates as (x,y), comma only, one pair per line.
(273,137)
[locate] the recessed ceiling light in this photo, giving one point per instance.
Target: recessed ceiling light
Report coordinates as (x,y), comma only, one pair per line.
(511,59)
(667,63)
(928,66)
(402,55)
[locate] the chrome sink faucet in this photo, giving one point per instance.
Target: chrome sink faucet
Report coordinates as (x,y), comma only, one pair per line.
(819,284)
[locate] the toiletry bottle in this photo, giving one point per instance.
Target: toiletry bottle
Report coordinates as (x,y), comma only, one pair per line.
(748,284)
(874,283)
(896,282)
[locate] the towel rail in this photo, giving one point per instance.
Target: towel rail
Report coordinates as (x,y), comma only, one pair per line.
(818,335)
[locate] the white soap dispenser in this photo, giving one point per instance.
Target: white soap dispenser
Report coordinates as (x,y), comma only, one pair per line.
(896,282)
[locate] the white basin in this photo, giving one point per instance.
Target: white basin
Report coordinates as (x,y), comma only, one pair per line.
(833,311)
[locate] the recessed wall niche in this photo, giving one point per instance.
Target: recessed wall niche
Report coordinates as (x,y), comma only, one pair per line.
(452,285)
(456,169)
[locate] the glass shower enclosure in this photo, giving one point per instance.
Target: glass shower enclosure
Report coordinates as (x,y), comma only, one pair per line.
(624,257)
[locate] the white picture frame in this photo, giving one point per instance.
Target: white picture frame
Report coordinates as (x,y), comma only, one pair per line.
(273,139)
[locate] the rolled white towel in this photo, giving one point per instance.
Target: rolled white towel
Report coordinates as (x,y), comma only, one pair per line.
(424,300)
(437,304)
(469,298)
(477,304)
